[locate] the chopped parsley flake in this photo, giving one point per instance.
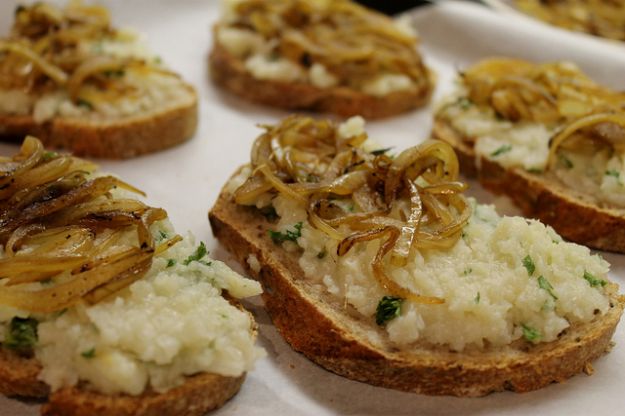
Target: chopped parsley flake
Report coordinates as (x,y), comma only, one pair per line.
(379,152)
(535,170)
(49,155)
(500,151)
(388,308)
(81,102)
(88,353)
(269,212)
(197,256)
(544,284)
(464,103)
(114,73)
(289,235)
(171,262)
(162,235)
(22,334)
(467,271)
(615,174)
(593,281)
(528,263)
(530,334)
(477,298)
(565,161)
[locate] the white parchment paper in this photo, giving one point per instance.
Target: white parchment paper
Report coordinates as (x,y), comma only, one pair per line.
(186,181)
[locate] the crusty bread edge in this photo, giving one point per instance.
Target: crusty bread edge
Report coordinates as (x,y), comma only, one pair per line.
(229,72)
(328,338)
(572,217)
(118,139)
(199,393)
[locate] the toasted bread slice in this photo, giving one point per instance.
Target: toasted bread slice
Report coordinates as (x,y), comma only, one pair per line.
(116,139)
(94,89)
(326,331)
(83,354)
(199,394)
(229,72)
(335,57)
(569,212)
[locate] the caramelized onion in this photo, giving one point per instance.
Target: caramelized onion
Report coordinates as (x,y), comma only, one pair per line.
(411,201)
(584,123)
(67,235)
(350,41)
(545,93)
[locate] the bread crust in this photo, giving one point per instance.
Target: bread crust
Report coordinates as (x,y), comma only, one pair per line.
(116,139)
(572,216)
(229,72)
(326,332)
(199,393)
(18,376)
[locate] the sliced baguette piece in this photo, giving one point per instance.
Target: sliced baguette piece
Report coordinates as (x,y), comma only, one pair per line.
(199,394)
(229,72)
(326,332)
(114,139)
(569,212)
(304,37)
(95,90)
(58,353)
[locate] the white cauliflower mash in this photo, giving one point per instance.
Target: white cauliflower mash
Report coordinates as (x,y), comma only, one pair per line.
(490,296)
(170,324)
(525,145)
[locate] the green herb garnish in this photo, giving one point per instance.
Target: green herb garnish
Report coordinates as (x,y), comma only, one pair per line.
(530,334)
(88,353)
(114,73)
(544,284)
(528,263)
(199,253)
(379,152)
(388,308)
(477,298)
(535,170)
(467,271)
(289,235)
(269,212)
(171,262)
(593,281)
(464,103)
(615,174)
(22,334)
(162,235)
(565,161)
(49,155)
(81,102)
(503,149)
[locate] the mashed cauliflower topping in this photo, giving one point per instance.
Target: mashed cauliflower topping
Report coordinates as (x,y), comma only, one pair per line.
(525,145)
(506,278)
(490,296)
(170,324)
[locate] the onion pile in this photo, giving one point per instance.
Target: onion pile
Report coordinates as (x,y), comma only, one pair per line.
(411,201)
(51,48)
(605,18)
(353,43)
(66,238)
(559,95)
(546,93)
